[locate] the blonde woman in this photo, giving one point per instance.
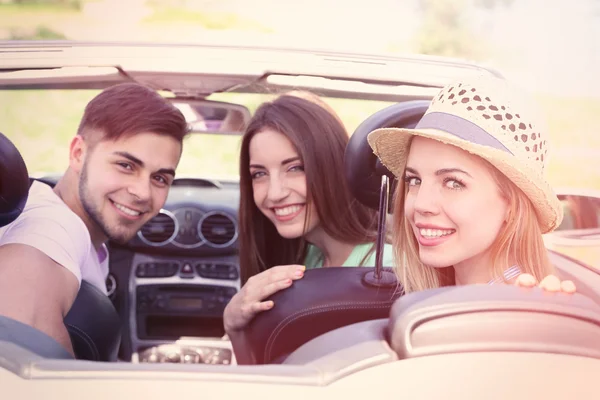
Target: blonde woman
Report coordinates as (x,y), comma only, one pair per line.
(472,202)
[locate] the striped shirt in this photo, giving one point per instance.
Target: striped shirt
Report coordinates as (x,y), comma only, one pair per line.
(508,274)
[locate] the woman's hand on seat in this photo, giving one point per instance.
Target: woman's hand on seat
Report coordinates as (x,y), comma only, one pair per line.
(249,300)
(551,283)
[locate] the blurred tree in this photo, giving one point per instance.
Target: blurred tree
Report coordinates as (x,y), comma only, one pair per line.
(447,28)
(489,4)
(40,33)
(73,4)
(444,29)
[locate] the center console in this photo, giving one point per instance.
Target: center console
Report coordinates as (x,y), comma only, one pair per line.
(177,308)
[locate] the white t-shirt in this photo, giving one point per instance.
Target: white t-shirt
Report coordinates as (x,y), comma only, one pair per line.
(50,226)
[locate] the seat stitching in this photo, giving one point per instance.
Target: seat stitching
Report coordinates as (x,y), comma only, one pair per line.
(290,319)
(326,307)
(81,333)
(317,309)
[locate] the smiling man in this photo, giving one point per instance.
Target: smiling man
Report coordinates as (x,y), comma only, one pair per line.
(121,164)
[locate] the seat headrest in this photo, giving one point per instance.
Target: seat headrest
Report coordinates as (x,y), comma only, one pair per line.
(493,318)
(362,168)
(94,325)
(323,300)
(14,182)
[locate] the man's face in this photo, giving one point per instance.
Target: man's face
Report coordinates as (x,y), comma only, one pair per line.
(124,183)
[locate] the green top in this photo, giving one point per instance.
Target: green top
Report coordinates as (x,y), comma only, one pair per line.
(314,257)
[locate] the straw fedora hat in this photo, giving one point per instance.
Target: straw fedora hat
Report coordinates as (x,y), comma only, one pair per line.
(485,117)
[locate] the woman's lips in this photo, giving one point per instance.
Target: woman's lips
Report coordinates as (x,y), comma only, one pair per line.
(287,213)
(433,236)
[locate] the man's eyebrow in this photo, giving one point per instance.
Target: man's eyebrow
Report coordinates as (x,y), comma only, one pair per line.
(135,160)
(130,157)
(169,171)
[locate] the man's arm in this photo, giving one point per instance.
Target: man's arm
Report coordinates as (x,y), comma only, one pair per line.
(36,290)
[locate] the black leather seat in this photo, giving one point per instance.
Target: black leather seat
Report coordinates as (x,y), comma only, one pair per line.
(330,298)
(14,182)
(94,325)
(324,300)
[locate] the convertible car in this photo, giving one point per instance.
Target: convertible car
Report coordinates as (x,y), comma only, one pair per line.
(338,331)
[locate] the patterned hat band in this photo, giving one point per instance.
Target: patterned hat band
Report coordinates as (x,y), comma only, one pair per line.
(461,128)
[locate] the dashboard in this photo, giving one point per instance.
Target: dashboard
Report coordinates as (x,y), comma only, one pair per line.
(172,281)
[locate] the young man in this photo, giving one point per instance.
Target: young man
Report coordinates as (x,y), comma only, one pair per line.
(121,164)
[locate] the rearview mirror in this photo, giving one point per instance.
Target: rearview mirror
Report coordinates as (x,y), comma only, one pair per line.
(206,116)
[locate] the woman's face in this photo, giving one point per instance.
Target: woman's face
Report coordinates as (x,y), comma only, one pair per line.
(453,204)
(279,183)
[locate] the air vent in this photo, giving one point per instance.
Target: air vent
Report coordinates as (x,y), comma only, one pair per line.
(160,230)
(217,229)
(187,236)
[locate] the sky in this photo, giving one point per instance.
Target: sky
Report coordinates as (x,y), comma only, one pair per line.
(547,45)
(553,44)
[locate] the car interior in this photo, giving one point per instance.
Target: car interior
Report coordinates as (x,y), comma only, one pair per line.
(171,283)
(335,328)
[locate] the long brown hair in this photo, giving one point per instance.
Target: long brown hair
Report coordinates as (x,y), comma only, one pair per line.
(519,241)
(320,140)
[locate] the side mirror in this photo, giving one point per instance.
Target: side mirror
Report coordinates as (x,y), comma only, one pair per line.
(578,235)
(582,213)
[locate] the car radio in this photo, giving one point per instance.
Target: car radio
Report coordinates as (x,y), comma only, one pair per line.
(172,311)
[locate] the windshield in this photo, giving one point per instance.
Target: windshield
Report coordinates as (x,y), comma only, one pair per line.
(41,123)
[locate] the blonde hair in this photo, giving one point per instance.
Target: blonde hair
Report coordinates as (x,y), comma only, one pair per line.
(519,242)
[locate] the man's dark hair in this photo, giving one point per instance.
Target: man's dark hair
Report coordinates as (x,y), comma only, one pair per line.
(130,108)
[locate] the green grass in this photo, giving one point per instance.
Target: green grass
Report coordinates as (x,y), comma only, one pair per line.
(35,21)
(40,6)
(213,20)
(41,124)
(41,20)
(14,14)
(41,32)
